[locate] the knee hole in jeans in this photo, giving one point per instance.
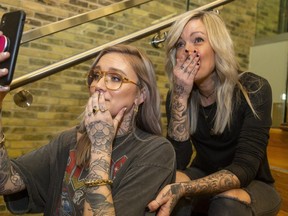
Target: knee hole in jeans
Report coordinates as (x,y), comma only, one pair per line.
(224,205)
(238,194)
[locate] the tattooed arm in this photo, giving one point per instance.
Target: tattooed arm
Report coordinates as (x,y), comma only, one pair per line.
(98,199)
(178,128)
(101,129)
(184,74)
(10,180)
(210,185)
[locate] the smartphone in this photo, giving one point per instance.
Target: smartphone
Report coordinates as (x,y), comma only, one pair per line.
(12,24)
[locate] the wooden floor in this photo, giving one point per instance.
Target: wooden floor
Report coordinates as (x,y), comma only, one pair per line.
(278,159)
(282,213)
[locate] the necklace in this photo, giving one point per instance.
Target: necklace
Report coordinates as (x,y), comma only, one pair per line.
(206,116)
(209,121)
(207,96)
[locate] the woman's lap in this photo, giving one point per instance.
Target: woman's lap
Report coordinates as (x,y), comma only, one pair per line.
(265,200)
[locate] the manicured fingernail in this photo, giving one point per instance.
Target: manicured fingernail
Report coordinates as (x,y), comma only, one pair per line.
(147,209)
(4,87)
(3,70)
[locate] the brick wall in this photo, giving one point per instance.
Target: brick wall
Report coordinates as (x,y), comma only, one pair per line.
(60,99)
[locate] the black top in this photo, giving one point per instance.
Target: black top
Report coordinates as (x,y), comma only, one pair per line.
(240,149)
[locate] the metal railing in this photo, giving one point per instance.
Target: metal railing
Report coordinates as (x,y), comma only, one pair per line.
(79,58)
(80,19)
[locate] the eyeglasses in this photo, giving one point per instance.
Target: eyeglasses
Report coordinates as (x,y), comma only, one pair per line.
(112,80)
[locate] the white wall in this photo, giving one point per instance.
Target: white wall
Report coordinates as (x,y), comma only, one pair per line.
(271,62)
(269,59)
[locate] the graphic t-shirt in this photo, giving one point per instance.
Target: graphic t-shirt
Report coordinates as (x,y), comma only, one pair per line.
(73,188)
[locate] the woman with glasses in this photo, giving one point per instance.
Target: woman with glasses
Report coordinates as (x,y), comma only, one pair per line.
(113,163)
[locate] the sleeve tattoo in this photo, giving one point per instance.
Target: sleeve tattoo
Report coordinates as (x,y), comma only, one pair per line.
(178,128)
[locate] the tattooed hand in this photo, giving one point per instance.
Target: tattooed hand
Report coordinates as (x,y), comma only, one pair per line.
(185,70)
(101,129)
(100,125)
(166,199)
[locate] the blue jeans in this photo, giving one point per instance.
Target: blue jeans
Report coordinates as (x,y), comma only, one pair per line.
(265,201)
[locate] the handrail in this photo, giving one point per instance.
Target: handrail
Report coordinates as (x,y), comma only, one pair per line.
(79,58)
(70,22)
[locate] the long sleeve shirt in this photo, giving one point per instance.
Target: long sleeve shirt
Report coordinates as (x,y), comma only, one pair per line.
(241,148)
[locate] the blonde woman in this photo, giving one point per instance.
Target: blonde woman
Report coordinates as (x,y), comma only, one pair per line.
(226,115)
(112,163)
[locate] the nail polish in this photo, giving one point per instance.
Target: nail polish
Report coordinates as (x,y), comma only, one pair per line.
(147,209)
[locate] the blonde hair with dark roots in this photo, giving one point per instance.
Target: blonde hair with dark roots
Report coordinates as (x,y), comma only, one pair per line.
(148,117)
(226,66)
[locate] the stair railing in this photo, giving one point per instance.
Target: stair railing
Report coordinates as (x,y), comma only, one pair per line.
(84,56)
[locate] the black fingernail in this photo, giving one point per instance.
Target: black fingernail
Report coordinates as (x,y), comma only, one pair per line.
(147,209)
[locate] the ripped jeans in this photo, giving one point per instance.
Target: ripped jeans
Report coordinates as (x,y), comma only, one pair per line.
(265,201)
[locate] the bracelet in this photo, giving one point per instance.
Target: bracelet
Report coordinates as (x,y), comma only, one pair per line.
(98,182)
(2,142)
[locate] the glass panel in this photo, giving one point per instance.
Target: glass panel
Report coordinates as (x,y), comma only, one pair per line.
(268,18)
(59,100)
(89,35)
(269,54)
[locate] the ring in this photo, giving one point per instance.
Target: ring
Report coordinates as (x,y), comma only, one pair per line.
(95,110)
(103,110)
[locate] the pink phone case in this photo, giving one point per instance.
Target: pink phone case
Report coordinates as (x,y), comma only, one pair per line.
(4,43)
